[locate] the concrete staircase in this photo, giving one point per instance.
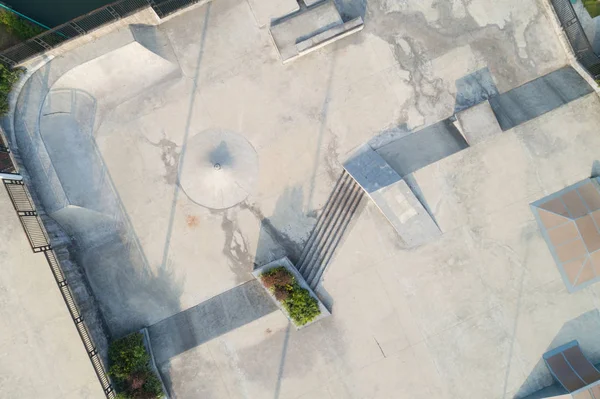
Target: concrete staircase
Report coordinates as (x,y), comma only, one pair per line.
(329,230)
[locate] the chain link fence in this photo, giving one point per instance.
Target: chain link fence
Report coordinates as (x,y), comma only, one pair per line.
(576,35)
(86,23)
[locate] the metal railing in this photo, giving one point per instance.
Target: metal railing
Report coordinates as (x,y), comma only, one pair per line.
(38,238)
(576,35)
(86,23)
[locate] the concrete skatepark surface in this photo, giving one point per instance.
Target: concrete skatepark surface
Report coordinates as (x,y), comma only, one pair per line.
(488,285)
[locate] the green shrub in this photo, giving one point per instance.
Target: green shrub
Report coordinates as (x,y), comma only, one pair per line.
(297,301)
(18,26)
(8,78)
(278,276)
(130,367)
(301,306)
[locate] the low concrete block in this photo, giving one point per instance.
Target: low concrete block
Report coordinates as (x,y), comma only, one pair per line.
(478,123)
(329,36)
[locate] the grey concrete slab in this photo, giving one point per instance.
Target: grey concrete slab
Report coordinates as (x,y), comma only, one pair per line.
(538,97)
(423,147)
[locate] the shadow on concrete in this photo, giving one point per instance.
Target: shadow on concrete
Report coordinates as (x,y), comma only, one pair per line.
(350,9)
(595,169)
(540,384)
(474,88)
(276,238)
(208,320)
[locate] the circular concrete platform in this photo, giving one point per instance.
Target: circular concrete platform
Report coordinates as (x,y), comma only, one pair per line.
(220,169)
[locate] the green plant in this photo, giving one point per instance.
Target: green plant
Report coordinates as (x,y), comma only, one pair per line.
(301,306)
(18,26)
(297,301)
(278,276)
(130,367)
(592,7)
(8,78)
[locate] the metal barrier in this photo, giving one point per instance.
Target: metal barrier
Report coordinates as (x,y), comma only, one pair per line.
(86,23)
(575,34)
(38,239)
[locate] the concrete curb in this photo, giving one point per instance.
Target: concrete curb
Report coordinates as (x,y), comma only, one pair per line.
(148,345)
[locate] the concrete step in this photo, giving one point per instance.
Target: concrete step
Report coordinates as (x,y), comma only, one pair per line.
(328,242)
(336,197)
(327,256)
(329,230)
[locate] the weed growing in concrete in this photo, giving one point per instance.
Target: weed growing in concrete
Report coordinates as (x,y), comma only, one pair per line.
(8,78)
(297,301)
(19,27)
(130,369)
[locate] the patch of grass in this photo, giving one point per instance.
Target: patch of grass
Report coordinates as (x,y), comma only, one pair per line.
(297,301)
(8,77)
(18,26)
(130,369)
(592,7)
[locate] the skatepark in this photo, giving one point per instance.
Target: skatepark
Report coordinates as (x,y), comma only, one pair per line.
(178,157)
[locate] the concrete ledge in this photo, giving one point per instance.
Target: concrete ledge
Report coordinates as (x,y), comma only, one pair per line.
(148,345)
(329,36)
(285,262)
(309,29)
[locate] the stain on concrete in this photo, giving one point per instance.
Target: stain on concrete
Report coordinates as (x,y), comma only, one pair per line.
(169,155)
(235,247)
(192,221)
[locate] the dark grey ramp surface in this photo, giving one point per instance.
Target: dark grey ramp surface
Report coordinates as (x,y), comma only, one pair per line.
(426,146)
(538,97)
(210,319)
(474,88)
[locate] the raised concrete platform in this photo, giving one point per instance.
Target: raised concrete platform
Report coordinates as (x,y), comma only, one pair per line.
(478,123)
(310,29)
(393,197)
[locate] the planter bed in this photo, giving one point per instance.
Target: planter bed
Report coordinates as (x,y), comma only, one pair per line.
(291,289)
(132,368)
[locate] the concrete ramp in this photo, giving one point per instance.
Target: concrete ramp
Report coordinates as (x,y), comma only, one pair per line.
(426,146)
(538,97)
(393,196)
(121,74)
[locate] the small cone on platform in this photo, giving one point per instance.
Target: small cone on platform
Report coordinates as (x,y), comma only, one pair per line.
(220,169)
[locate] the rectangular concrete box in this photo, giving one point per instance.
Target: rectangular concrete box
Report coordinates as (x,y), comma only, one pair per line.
(285,262)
